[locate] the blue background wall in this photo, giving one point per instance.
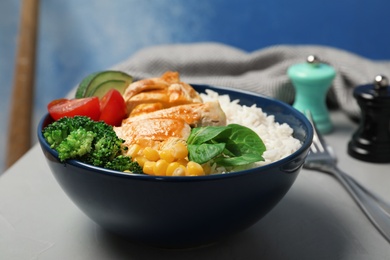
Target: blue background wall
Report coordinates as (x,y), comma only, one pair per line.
(77,37)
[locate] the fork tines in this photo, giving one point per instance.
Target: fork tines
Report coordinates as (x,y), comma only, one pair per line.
(317,144)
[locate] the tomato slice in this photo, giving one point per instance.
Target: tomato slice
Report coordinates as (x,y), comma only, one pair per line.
(75,107)
(113,108)
(56,102)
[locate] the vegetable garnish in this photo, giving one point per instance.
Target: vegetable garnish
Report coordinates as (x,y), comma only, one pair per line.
(90,142)
(111,108)
(99,83)
(73,107)
(230,145)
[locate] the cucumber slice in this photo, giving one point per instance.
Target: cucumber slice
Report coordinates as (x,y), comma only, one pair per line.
(82,88)
(104,76)
(104,87)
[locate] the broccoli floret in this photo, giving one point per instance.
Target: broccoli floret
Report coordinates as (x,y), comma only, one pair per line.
(106,145)
(123,163)
(76,144)
(59,130)
(88,141)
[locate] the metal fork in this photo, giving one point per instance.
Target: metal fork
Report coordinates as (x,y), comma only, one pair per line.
(320,158)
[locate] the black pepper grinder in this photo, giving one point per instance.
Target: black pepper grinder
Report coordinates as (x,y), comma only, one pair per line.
(371,141)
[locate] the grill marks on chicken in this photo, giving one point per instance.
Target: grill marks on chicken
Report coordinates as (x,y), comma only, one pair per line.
(167,91)
(162,109)
(196,115)
(152,132)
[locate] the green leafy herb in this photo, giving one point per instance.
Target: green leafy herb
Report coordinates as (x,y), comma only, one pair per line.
(201,135)
(202,153)
(230,145)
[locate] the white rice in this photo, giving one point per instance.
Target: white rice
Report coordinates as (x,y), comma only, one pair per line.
(277,138)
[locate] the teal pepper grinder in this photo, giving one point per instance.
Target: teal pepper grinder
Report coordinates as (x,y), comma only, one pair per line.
(312,81)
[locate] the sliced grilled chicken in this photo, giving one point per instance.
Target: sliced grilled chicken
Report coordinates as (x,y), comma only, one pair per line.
(196,115)
(167,90)
(152,131)
(163,110)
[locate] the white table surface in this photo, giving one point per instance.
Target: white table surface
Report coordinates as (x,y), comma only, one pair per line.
(317,219)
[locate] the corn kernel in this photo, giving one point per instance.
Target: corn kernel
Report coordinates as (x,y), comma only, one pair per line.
(151,154)
(160,167)
(194,169)
(180,151)
(167,155)
(179,171)
(133,150)
(140,160)
(182,161)
(171,168)
(206,168)
(148,167)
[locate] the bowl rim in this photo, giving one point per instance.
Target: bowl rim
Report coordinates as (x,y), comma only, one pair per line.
(304,146)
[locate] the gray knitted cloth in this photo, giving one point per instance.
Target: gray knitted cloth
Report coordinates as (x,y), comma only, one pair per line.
(262,71)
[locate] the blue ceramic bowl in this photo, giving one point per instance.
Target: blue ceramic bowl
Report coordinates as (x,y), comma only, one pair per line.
(177,212)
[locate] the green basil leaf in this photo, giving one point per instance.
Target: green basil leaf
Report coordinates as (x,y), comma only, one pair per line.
(244,146)
(204,152)
(230,145)
(201,135)
(239,160)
